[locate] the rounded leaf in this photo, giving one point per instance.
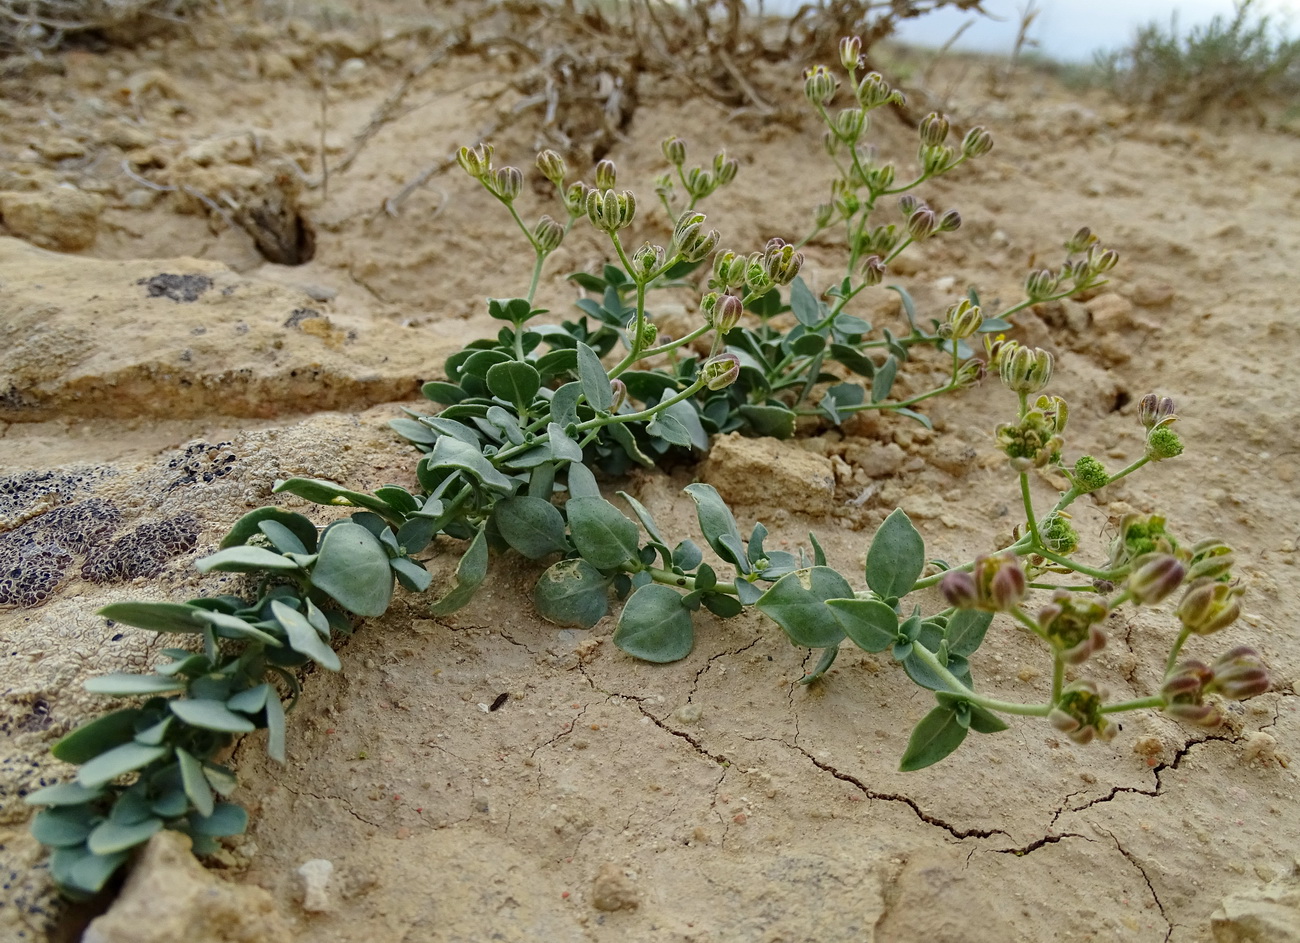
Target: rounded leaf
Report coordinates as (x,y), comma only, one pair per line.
(572,593)
(655,626)
(797,603)
(353,569)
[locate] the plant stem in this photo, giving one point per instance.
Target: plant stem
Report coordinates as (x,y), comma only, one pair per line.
(648,413)
(1028,500)
(1058,676)
(1154,700)
(957,687)
(1179,642)
(669,578)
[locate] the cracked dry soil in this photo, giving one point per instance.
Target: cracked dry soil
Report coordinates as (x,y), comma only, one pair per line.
(735,804)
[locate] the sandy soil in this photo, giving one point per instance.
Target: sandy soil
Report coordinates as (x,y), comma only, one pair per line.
(714,799)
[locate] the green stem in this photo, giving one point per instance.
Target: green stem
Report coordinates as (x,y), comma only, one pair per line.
(1058,677)
(669,578)
(1028,500)
(1179,642)
(680,342)
(1136,704)
(649,413)
(988,703)
(1028,622)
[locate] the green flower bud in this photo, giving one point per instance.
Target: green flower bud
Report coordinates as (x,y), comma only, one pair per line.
(728,270)
(977,143)
(1184,692)
(575,199)
(922,223)
(726,313)
(873,270)
(1163,443)
(847,203)
(1140,534)
(1078,714)
(548,234)
(757,278)
(1025,369)
(552,167)
(507,183)
(725,168)
(934,129)
(610,211)
(606,175)
(908,204)
(647,260)
(1238,674)
(823,214)
(1089,474)
(965,319)
(690,239)
(720,372)
(850,123)
(1155,576)
(700,182)
(477,162)
(1210,559)
(880,179)
(949,222)
(874,91)
(970,373)
(880,241)
(831,143)
(1071,624)
(1080,241)
(851,53)
(935,160)
(664,188)
(1032,442)
(619,389)
(1104,262)
(1041,284)
(674,149)
(781,261)
(649,333)
(1058,533)
(1156,411)
(1209,606)
(819,85)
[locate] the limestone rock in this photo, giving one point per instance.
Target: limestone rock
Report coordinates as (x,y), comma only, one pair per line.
(612,889)
(1268,914)
(169,897)
(770,472)
(63,218)
(316,875)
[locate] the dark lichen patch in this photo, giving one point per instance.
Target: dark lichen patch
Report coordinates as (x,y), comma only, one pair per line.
(143,552)
(176,287)
(31,567)
(299,315)
(81,526)
(202,463)
(28,490)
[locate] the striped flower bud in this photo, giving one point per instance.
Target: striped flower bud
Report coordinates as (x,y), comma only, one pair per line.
(1041,284)
(720,372)
(548,234)
(674,149)
(1073,627)
(728,270)
(619,389)
(647,260)
(477,161)
(1156,410)
(781,261)
(606,175)
(1080,241)
(575,198)
(949,222)
(725,168)
(507,183)
(922,223)
(1239,673)
(964,319)
(934,129)
(1078,714)
(874,91)
(1154,578)
(1208,606)
(873,270)
(851,53)
(726,313)
(1025,369)
(1184,692)
(552,167)
(977,143)
(850,123)
(819,85)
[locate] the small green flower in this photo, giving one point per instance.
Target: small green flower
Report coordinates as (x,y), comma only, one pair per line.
(1089,474)
(1163,443)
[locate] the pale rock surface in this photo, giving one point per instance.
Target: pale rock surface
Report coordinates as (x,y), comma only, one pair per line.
(770,472)
(170,897)
(1268,914)
(612,889)
(62,218)
(316,875)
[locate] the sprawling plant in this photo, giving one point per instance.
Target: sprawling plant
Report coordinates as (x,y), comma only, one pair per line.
(530,417)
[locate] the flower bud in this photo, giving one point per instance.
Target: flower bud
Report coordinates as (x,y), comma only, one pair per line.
(674,149)
(819,85)
(575,198)
(1025,369)
(1209,606)
(873,270)
(965,319)
(959,588)
(1072,626)
(726,313)
(874,91)
(1239,673)
(934,129)
(949,222)
(922,223)
(995,584)
(700,182)
(649,333)
(935,160)
(969,374)
(1058,533)
(781,261)
(552,167)
(548,234)
(757,278)
(606,175)
(610,211)
(1163,443)
(728,270)
(720,372)
(880,179)
(507,183)
(725,168)
(1089,474)
(1041,284)
(1184,692)
(831,143)
(850,123)
(908,204)
(477,162)
(1156,411)
(851,53)
(977,143)
(1078,714)
(1080,241)
(646,261)
(1105,262)
(823,214)
(1211,559)
(1155,576)
(692,242)
(619,389)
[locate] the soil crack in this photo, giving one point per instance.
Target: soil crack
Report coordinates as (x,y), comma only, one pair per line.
(1132,859)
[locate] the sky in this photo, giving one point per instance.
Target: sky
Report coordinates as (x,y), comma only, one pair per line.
(1072,30)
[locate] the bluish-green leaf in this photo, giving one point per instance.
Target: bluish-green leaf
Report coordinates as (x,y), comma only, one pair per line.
(195,783)
(411,574)
(686,414)
(869,623)
(353,569)
(803,304)
(251,524)
(716,522)
(319,491)
(514,310)
(605,538)
(896,557)
(775,421)
(62,794)
(980,720)
(936,736)
(966,629)
(797,603)
(883,381)
(303,637)
(669,429)
(572,593)
(285,540)
(413,431)
(97,736)
(515,382)
(275,727)
(594,379)
(209,714)
(564,404)
(582,483)
(62,827)
(244,559)
(654,625)
(562,447)
(228,818)
(470,573)
(533,526)
(126,685)
(448,394)
(155,616)
(453,453)
(234,627)
(118,761)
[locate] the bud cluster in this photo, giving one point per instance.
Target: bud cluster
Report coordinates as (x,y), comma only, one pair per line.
(1035,441)
(690,238)
(721,371)
(1157,415)
(1209,605)
(964,319)
(722,312)
(819,85)
(1025,370)
(1071,624)
(1155,577)
(610,211)
(548,234)
(1078,714)
(994,584)
(1236,675)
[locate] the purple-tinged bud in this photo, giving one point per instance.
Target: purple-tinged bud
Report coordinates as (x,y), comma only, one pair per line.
(692,242)
(647,260)
(781,261)
(1154,578)
(874,91)
(977,143)
(674,149)
(726,313)
(935,160)
(922,223)
(1041,284)
(1211,559)
(1073,626)
(548,234)
(969,374)
(552,167)
(1184,692)
(720,372)
(1209,606)
(757,278)
(934,129)
(851,53)
(619,389)
(964,319)
(507,183)
(908,204)
(606,175)
(880,179)
(1239,673)
(999,582)
(958,587)
(725,168)
(949,222)
(477,161)
(873,270)
(1080,241)
(819,85)
(728,270)
(1078,714)
(1156,410)
(1025,369)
